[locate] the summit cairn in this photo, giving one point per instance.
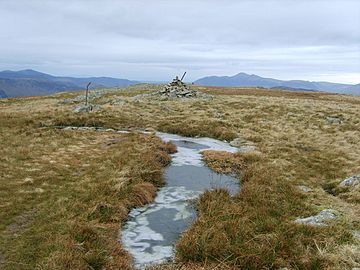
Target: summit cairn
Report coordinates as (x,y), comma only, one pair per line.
(177,89)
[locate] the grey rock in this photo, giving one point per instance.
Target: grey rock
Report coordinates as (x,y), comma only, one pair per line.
(334,120)
(243,145)
(318,219)
(356,234)
(237,142)
(83,108)
(83,128)
(305,189)
(101,129)
(150,129)
(291,114)
(118,102)
(247,148)
(86,108)
(81,98)
(69,128)
(350,181)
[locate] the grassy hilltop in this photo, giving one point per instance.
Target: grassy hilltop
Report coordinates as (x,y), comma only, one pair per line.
(64,194)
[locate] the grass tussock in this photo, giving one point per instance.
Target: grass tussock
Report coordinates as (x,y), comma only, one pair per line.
(225,162)
(203,128)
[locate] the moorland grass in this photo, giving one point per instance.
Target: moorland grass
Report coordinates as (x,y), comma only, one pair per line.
(64,194)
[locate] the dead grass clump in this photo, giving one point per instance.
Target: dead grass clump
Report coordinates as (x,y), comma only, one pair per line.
(95,119)
(78,120)
(198,128)
(223,162)
(351,194)
(143,193)
(163,156)
(104,213)
(168,147)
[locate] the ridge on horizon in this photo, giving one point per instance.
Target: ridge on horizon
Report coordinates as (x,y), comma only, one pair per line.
(29,82)
(252,80)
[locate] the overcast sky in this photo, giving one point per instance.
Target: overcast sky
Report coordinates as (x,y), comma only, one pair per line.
(157,39)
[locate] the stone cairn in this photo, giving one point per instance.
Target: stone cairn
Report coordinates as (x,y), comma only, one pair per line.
(177,89)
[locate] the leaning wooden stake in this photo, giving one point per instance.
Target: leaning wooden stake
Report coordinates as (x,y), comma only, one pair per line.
(87,93)
(183,76)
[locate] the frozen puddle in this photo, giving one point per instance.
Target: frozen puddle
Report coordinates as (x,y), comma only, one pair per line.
(152,230)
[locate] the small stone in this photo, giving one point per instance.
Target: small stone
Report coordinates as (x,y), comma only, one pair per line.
(83,128)
(86,108)
(305,189)
(83,108)
(356,234)
(243,145)
(100,129)
(150,129)
(350,181)
(28,180)
(237,142)
(333,120)
(68,128)
(118,102)
(318,219)
(247,148)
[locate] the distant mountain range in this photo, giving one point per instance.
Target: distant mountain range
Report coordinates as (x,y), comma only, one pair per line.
(247,80)
(33,83)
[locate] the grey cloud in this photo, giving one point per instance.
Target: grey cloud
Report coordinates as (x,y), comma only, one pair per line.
(143,39)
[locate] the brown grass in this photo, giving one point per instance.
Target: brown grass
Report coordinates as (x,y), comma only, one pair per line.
(254,230)
(63,194)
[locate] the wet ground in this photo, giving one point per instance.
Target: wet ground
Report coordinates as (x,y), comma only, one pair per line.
(151,231)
